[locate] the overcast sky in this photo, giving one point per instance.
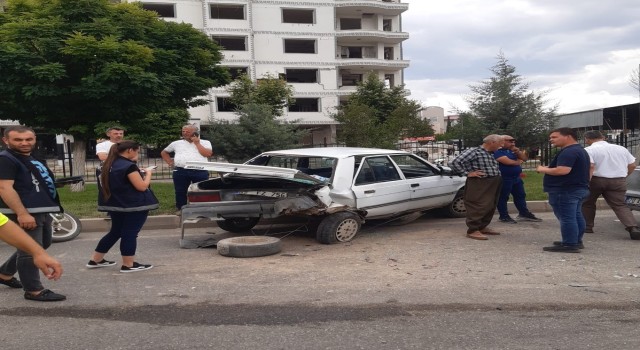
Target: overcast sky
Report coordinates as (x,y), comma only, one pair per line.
(582,51)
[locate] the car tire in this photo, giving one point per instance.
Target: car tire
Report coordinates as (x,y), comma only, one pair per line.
(238,225)
(249,246)
(456,208)
(338,227)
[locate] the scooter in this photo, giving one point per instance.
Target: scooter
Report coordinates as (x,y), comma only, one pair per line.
(65,226)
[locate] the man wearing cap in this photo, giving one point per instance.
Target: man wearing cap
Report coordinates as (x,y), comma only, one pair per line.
(510,159)
(610,166)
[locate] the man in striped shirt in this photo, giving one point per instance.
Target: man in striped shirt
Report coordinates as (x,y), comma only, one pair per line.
(482,187)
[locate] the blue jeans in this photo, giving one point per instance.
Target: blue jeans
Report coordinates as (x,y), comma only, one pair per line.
(513,186)
(125,227)
(567,207)
(21,262)
(182,178)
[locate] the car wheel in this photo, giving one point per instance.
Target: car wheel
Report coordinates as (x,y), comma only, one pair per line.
(249,246)
(338,227)
(238,225)
(456,208)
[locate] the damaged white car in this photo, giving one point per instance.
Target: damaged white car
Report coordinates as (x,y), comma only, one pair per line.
(340,186)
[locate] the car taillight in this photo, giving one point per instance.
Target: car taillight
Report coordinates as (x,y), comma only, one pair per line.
(204,197)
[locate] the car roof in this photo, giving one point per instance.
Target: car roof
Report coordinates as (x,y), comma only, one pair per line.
(334,152)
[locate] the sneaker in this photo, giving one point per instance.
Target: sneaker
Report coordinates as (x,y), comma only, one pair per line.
(528,217)
(45,295)
(580,244)
(104,263)
(508,220)
(135,267)
(562,249)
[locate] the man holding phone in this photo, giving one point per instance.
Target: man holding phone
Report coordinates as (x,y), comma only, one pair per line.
(189,148)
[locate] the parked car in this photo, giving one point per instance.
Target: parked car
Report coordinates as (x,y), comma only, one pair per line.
(633,190)
(340,186)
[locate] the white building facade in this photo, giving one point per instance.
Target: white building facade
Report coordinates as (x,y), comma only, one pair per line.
(323,48)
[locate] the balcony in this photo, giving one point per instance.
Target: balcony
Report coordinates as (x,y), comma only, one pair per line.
(386,8)
(372,63)
(371,36)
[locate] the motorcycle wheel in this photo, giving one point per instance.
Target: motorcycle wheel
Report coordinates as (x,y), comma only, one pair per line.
(65,227)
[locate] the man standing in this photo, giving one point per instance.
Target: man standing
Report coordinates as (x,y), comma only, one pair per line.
(482,186)
(566,181)
(510,158)
(27,196)
(189,148)
(115,135)
(610,166)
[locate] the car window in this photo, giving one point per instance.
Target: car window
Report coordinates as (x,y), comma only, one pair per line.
(376,169)
(412,167)
(319,167)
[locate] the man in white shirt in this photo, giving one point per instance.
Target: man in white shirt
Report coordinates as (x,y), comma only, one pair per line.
(189,148)
(115,135)
(610,166)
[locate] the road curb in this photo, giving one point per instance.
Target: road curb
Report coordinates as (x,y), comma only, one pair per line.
(157,222)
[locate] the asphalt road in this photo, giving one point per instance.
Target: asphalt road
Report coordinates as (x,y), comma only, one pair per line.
(418,286)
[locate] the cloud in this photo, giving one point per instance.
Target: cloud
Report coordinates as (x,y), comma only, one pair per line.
(581,51)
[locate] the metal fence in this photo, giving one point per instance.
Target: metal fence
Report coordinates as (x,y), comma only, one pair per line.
(438,152)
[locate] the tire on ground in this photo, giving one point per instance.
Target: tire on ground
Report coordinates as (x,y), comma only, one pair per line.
(64,227)
(249,246)
(338,227)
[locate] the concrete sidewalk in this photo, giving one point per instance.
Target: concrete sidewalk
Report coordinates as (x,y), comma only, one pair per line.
(156,222)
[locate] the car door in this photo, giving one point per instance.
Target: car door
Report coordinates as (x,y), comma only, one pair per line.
(378,187)
(429,189)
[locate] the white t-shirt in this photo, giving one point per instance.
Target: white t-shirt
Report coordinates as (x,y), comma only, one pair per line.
(611,161)
(104,147)
(186,151)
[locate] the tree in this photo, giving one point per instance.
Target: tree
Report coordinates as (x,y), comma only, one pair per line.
(377,116)
(504,104)
(255,131)
(73,66)
(259,127)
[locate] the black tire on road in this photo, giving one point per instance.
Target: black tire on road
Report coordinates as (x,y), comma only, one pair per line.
(238,225)
(249,246)
(456,208)
(64,227)
(338,227)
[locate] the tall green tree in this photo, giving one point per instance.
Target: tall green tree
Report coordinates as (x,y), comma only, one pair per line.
(72,66)
(505,104)
(377,116)
(260,126)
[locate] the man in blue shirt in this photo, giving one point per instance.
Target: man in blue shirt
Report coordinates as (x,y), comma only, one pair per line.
(566,181)
(510,158)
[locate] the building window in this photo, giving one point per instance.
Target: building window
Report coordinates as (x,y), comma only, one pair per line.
(304,16)
(305,105)
(236,72)
(350,23)
(231,43)
(301,75)
(225,104)
(163,10)
(299,46)
(389,80)
(386,25)
(388,53)
(351,79)
(226,11)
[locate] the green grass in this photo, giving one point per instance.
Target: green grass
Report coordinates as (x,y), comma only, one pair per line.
(83,204)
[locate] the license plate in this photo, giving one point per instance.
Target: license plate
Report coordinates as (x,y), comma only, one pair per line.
(632,200)
(265,194)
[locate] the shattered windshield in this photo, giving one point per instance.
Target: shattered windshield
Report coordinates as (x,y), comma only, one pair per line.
(320,168)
